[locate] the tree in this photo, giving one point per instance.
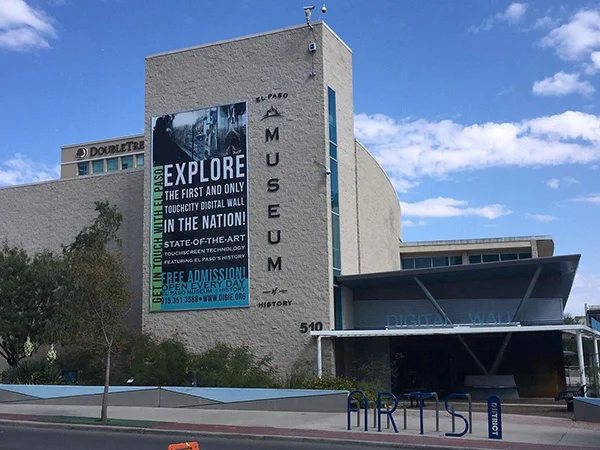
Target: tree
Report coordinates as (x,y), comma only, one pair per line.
(31,300)
(99,296)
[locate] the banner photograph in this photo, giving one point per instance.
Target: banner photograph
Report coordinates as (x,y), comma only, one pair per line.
(199,225)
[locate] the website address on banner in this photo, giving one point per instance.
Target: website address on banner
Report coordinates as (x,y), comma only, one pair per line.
(225,297)
(203,251)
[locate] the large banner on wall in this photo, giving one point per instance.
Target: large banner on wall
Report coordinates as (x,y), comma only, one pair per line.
(199,209)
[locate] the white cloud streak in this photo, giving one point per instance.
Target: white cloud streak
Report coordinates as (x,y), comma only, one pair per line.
(412,223)
(577,38)
(562,83)
(590,198)
(511,15)
(411,150)
(542,217)
(21,170)
(555,183)
(22,27)
(449,207)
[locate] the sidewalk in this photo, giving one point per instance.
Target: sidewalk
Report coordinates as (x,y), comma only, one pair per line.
(520,432)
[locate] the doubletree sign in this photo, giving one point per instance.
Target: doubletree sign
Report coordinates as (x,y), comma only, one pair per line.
(128,146)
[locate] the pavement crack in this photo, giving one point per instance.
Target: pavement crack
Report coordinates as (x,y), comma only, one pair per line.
(561,438)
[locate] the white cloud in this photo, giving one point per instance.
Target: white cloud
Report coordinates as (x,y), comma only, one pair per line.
(21,169)
(23,27)
(410,150)
(413,223)
(449,207)
(543,22)
(577,38)
(595,57)
(562,83)
(590,198)
(555,183)
(586,289)
(542,217)
(511,15)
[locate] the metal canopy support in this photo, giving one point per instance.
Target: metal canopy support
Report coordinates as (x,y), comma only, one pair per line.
(500,355)
(596,361)
(319,357)
(437,306)
(516,317)
(481,366)
(579,338)
(525,298)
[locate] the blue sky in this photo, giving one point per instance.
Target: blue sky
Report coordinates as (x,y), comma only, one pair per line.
(484,113)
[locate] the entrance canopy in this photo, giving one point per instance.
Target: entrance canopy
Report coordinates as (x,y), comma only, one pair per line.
(556,272)
(457,330)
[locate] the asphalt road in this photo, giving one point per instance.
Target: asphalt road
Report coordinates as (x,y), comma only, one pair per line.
(31,438)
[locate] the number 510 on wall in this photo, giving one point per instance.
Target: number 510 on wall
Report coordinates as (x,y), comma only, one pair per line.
(312,326)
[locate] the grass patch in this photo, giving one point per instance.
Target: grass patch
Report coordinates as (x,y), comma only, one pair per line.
(96,421)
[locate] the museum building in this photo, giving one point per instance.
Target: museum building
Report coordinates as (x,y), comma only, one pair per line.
(252,216)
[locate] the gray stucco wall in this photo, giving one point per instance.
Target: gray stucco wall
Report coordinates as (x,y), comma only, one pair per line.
(379,216)
(49,215)
(239,70)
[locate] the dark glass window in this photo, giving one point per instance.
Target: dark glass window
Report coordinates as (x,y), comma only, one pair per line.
(337,307)
(440,261)
(98,166)
(139,161)
(335,192)
(508,256)
(335,237)
(408,263)
(112,164)
(455,260)
(83,168)
(332,116)
(332,150)
(474,259)
(127,162)
(524,255)
(422,263)
(490,258)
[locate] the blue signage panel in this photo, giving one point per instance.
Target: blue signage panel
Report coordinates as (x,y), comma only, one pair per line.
(199,226)
(494,417)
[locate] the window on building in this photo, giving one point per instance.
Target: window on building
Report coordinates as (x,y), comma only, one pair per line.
(439,261)
(112,164)
(335,209)
(98,166)
(422,263)
(408,263)
(434,261)
(83,168)
(455,260)
(490,258)
(474,259)
(127,162)
(139,160)
(493,257)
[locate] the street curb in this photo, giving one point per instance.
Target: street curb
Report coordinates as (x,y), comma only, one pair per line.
(227,435)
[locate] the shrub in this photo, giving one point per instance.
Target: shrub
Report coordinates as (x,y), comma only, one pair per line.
(152,362)
(228,366)
(34,371)
(89,365)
